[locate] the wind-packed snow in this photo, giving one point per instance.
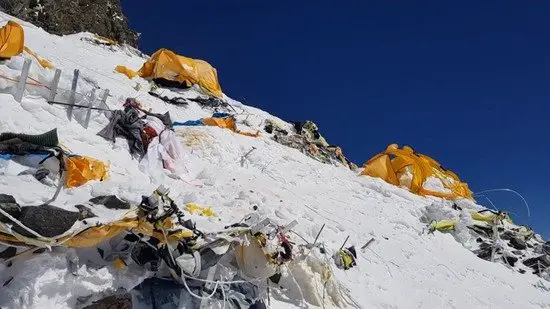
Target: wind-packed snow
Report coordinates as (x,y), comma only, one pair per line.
(404,268)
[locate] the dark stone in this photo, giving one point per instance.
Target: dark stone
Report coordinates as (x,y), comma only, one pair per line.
(518,243)
(7,199)
(517,252)
(85,212)
(456,207)
(111,202)
(507,235)
(46,220)
(118,301)
(479,240)
(546,247)
(522,271)
(544,260)
(484,245)
(9,205)
(482,230)
(484,253)
(8,253)
(511,260)
(500,229)
(103,17)
(538,264)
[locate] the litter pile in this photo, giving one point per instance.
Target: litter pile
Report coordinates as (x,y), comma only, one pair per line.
(308,140)
(155,251)
(179,262)
(491,235)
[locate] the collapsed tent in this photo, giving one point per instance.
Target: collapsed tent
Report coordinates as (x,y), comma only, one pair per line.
(404,167)
(222,120)
(52,159)
(167,65)
(12,40)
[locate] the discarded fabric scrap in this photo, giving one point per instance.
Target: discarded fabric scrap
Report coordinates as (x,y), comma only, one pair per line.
(222,120)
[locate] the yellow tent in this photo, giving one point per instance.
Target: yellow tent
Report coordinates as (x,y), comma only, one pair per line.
(168,65)
(394,163)
(12,40)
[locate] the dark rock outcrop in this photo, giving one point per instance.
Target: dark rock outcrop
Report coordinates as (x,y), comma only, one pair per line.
(118,301)
(538,264)
(518,243)
(102,17)
(511,260)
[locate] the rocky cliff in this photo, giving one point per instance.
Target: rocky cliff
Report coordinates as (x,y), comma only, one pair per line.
(103,17)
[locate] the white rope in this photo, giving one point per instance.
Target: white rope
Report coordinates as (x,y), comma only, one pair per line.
(216,283)
(508,190)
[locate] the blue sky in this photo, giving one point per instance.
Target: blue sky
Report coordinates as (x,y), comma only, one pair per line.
(467,83)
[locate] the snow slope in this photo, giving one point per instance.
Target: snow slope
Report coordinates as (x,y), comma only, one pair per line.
(403,268)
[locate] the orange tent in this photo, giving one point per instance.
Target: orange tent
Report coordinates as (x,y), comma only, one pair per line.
(395,163)
(168,65)
(12,40)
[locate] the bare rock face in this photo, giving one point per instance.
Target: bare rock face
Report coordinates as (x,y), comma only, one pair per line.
(102,17)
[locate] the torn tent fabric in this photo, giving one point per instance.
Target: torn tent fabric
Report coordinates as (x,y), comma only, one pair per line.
(167,65)
(12,40)
(155,241)
(12,43)
(59,227)
(487,216)
(126,71)
(404,167)
(81,169)
(193,208)
(43,62)
(222,120)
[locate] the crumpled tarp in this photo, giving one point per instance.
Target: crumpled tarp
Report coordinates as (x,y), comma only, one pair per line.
(81,169)
(222,120)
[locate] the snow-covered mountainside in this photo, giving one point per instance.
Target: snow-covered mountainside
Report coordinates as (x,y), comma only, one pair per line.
(405,267)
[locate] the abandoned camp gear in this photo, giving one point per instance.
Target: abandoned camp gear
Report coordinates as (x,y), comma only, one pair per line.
(345,258)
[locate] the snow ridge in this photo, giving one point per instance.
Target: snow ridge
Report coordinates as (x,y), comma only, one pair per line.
(404,267)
